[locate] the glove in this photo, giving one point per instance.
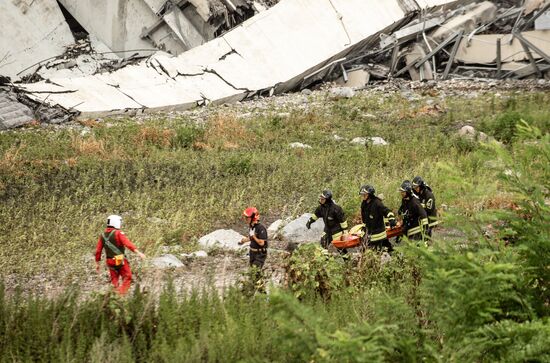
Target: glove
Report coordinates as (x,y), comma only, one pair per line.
(393,223)
(308,224)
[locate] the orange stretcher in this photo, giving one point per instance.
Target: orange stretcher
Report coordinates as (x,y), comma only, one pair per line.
(353,239)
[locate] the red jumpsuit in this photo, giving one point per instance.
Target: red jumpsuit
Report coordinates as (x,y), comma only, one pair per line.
(124,271)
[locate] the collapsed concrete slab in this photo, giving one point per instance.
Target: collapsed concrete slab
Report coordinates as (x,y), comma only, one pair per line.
(272,52)
(480,14)
(482,49)
(31,32)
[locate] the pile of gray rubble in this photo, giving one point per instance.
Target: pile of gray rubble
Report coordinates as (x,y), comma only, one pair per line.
(65,59)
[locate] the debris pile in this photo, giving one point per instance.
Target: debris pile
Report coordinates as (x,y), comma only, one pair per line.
(144,62)
(40,30)
(484,39)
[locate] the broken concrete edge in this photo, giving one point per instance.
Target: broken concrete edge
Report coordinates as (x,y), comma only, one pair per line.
(172,26)
(293,84)
(42,112)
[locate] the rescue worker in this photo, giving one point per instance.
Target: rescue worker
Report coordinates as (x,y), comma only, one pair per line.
(115,242)
(427,200)
(257,235)
(374,214)
(333,216)
(415,218)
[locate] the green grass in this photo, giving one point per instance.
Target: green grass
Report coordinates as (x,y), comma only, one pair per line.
(57,187)
(479,298)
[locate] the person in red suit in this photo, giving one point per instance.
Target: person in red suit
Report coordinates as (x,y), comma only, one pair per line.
(115,242)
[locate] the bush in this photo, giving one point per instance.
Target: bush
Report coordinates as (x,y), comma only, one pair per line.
(186,136)
(503,128)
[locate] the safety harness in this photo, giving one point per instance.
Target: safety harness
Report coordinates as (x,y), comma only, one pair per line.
(118,254)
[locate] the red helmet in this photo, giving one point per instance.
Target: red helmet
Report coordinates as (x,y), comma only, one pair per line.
(253,213)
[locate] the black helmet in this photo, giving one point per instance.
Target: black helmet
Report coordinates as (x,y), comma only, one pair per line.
(418,182)
(327,194)
(406,186)
(366,189)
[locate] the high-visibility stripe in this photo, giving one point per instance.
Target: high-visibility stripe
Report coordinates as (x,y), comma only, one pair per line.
(424,221)
(336,236)
(378,236)
(344,224)
(390,215)
(314,217)
(423,205)
(414,230)
(433,224)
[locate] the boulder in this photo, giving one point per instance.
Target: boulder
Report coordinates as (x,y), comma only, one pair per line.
(274,227)
(378,141)
(296,230)
(299,145)
(196,254)
(375,140)
(341,92)
(359,141)
(224,238)
(166,261)
(469,132)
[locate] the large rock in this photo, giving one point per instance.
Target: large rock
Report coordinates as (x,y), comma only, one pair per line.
(341,92)
(297,232)
(469,132)
(275,226)
(166,261)
(224,238)
(196,254)
(375,140)
(299,145)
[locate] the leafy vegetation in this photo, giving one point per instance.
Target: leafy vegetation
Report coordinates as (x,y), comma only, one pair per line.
(481,295)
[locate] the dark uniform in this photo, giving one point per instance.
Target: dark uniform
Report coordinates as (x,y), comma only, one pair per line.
(415,218)
(427,200)
(258,254)
(334,218)
(373,214)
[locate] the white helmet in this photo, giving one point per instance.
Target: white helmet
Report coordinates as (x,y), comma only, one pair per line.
(114,221)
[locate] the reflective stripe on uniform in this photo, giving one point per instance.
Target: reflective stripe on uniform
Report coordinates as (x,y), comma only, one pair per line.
(414,230)
(434,223)
(424,221)
(314,217)
(344,225)
(378,236)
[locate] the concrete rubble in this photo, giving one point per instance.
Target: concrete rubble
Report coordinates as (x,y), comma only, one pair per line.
(12,113)
(156,55)
(40,30)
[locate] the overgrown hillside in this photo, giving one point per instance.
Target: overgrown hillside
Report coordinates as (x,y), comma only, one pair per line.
(479,293)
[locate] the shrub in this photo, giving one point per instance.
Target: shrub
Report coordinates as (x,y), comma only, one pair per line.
(186,136)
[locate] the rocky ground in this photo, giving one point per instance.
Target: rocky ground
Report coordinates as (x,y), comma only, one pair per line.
(220,270)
